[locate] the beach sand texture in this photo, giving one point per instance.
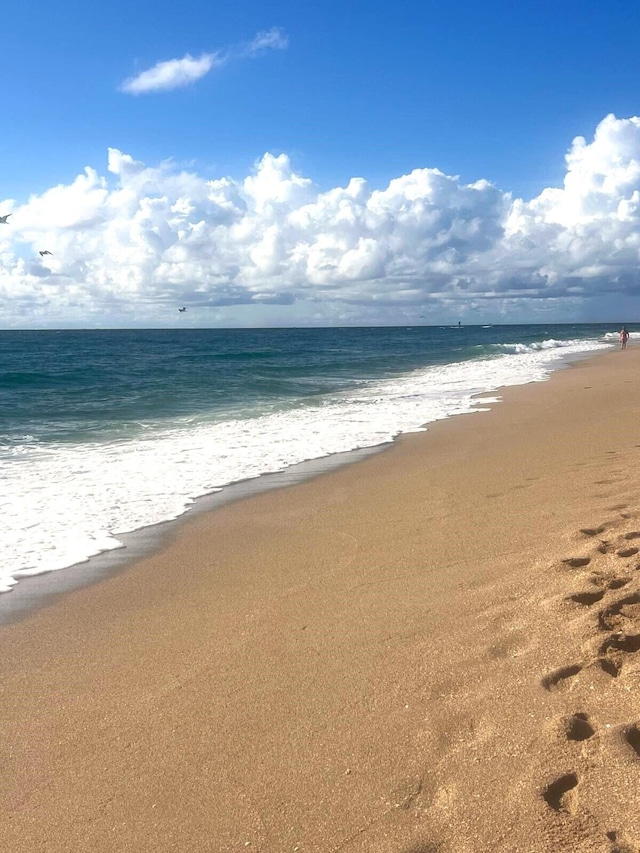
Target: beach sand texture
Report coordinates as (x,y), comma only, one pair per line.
(436,650)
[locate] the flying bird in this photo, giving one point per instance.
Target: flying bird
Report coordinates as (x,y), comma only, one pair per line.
(182,310)
(46,252)
(3,219)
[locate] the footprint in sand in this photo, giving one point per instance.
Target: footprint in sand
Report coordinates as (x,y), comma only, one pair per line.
(577,727)
(620,845)
(560,795)
(627,552)
(577,562)
(593,531)
(610,666)
(613,651)
(613,617)
(631,735)
(587,598)
(603,585)
(598,529)
(609,582)
(555,680)
(617,583)
(628,643)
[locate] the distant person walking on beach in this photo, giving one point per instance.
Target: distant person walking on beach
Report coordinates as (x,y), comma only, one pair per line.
(624,337)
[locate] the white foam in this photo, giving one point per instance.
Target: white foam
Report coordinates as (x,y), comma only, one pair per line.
(65,503)
(615,336)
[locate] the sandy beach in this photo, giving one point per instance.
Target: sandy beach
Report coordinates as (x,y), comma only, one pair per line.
(435,650)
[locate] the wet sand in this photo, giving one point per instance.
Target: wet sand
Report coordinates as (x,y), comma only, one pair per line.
(436,649)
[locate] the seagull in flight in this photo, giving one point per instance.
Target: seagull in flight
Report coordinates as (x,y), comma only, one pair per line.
(46,252)
(182,310)
(3,219)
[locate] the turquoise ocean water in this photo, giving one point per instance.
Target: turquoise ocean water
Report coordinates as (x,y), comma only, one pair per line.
(109,431)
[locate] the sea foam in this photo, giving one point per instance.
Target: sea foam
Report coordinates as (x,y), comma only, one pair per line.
(64,503)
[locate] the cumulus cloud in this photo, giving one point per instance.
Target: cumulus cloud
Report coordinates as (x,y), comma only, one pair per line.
(176,73)
(130,244)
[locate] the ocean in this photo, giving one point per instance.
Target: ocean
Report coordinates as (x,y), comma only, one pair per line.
(105,432)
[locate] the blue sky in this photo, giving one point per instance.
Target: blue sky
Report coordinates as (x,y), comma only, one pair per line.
(486,91)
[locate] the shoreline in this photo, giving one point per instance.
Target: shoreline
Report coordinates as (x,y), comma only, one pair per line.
(437,649)
(34,592)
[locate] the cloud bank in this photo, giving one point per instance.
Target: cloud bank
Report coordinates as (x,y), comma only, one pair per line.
(176,73)
(131,245)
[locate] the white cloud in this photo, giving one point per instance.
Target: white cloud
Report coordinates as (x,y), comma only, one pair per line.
(130,245)
(273,39)
(172,74)
(177,73)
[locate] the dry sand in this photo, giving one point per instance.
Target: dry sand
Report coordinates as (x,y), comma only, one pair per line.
(437,649)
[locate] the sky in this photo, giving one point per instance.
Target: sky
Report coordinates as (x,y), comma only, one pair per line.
(337,163)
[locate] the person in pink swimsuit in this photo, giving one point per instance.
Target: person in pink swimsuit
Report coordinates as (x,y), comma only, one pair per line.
(624,337)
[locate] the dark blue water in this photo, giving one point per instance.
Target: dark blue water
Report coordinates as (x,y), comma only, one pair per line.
(57,384)
(105,432)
